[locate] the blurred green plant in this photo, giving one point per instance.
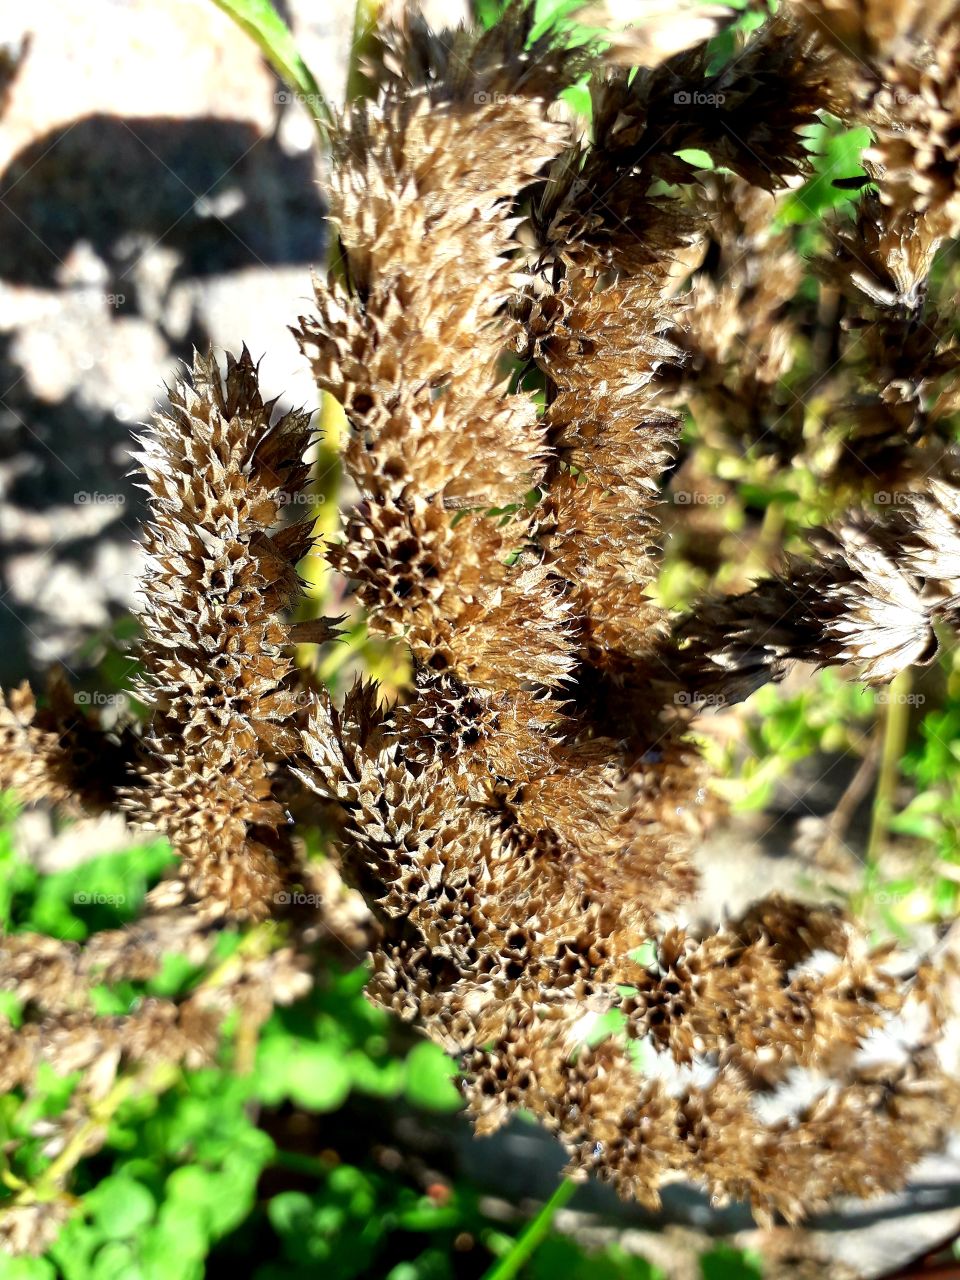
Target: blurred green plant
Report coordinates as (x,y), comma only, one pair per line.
(261,22)
(784,725)
(932,816)
(196,1174)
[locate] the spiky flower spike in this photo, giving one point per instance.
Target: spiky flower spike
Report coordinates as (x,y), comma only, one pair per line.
(517,822)
(218,666)
(60,751)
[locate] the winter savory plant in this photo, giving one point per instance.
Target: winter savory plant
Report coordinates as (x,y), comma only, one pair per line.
(518,315)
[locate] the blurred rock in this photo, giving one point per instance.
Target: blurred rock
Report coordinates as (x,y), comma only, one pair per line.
(158,191)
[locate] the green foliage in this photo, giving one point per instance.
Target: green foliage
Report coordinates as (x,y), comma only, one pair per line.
(194,1173)
(727,1263)
(260,20)
(932,817)
(785,726)
(561,1257)
(346,1222)
(101,893)
(186,1165)
(836,154)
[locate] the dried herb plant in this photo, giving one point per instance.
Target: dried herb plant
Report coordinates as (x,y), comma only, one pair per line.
(519,822)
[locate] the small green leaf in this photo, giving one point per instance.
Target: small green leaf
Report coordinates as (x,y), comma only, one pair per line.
(315,1076)
(290,1212)
(26,1269)
(115,1261)
(430,1079)
(120,1207)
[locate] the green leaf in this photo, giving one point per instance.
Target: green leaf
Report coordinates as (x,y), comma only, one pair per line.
(290,1212)
(699,159)
(120,1207)
(176,974)
(430,1079)
(727,1263)
(26,1268)
(177,1243)
(489,12)
(11,1007)
(315,1076)
(115,1261)
(605,1025)
(839,158)
(260,20)
(382,1079)
(217,1199)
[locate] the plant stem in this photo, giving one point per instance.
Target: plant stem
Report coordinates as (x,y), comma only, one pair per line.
(532,1236)
(364,32)
(332,423)
(896,722)
(49,1183)
(296,1162)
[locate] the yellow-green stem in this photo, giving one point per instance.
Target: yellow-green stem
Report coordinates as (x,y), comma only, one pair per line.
(896,723)
(100,1114)
(365,20)
(325,486)
(530,1239)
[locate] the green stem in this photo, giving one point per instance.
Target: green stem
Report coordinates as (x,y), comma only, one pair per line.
(532,1236)
(896,723)
(771,535)
(297,1162)
(49,1184)
(332,425)
(365,20)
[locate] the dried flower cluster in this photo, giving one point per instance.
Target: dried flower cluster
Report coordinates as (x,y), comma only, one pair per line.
(519,821)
